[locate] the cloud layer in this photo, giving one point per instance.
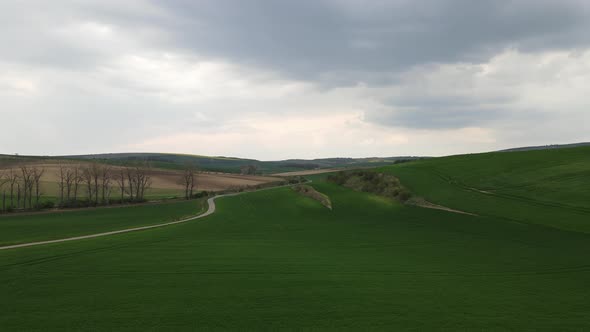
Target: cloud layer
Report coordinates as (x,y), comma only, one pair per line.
(285,79)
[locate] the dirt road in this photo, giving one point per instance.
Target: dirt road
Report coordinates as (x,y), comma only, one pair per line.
(210,210)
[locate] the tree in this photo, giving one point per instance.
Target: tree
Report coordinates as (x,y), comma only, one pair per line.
(95,171)
(69,179)
(189,180)
(138,181)
(18,195)
(77,180)
(28,182)
(143,181)
(3,181)
(37,173)
(105,183)
(86,175)
(120,177)
(61,184)
(13,182)
(130,181)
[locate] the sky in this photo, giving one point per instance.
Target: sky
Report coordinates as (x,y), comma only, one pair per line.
(292,79)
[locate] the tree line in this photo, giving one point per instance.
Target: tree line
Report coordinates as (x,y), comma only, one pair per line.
(78,185)
(21,187)
(83,185)
(98,183)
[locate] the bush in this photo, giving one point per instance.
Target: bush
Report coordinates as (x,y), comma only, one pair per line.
(310,192)
(372,182)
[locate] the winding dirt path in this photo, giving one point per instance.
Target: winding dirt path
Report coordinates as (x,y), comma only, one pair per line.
(210,210)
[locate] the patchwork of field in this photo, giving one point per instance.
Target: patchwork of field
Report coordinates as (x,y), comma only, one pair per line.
(164,182)
(275,259)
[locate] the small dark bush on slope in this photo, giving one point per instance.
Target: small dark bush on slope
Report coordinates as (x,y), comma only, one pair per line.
(372,182)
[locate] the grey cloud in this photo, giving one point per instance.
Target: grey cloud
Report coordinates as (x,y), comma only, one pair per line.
(336,42)
(438,118)
(330,43)
(440,112)
(310,39)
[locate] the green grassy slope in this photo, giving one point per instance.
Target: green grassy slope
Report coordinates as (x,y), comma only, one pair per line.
(16,229)
(276,259)
(549,187)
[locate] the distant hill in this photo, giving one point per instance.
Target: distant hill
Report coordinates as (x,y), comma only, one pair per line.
(546,147)
(232,165)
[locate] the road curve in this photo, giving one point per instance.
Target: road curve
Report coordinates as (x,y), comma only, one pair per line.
(210,210)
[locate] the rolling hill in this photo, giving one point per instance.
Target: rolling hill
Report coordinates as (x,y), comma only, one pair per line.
(232,165)
(278,260)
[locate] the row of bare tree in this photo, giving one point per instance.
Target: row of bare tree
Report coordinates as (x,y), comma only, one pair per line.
(22,185)
(89,184)
(99,181)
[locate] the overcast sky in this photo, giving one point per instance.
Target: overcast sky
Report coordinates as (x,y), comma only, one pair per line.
(292,79)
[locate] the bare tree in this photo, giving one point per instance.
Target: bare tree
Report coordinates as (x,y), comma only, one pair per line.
(95,170)
(105,173)
(86,175)
(18,195)
(120,178)
(3,181)
(13,180)
(77,180)
(28,182)
(69,178)
(189,180)
(37,173)
(61,174)
(130,180)
(142,180)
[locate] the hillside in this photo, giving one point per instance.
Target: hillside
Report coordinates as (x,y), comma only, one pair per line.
(546,147)
(232,165)
(549,187)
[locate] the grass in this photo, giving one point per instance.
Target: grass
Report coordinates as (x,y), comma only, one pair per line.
(275,259)
(278,260)
(547,187)
(16,228)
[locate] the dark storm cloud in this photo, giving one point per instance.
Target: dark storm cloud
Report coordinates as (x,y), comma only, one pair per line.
(310,39)
(337,42)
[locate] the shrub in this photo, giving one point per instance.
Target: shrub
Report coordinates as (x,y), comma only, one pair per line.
(372,182)
(310,192)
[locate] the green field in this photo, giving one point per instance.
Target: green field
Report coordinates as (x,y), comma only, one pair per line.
(15,228)
(275,259)
(549,187)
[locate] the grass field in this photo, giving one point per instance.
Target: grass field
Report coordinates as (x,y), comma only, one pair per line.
(15,229)
(548,187)
(275,259)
